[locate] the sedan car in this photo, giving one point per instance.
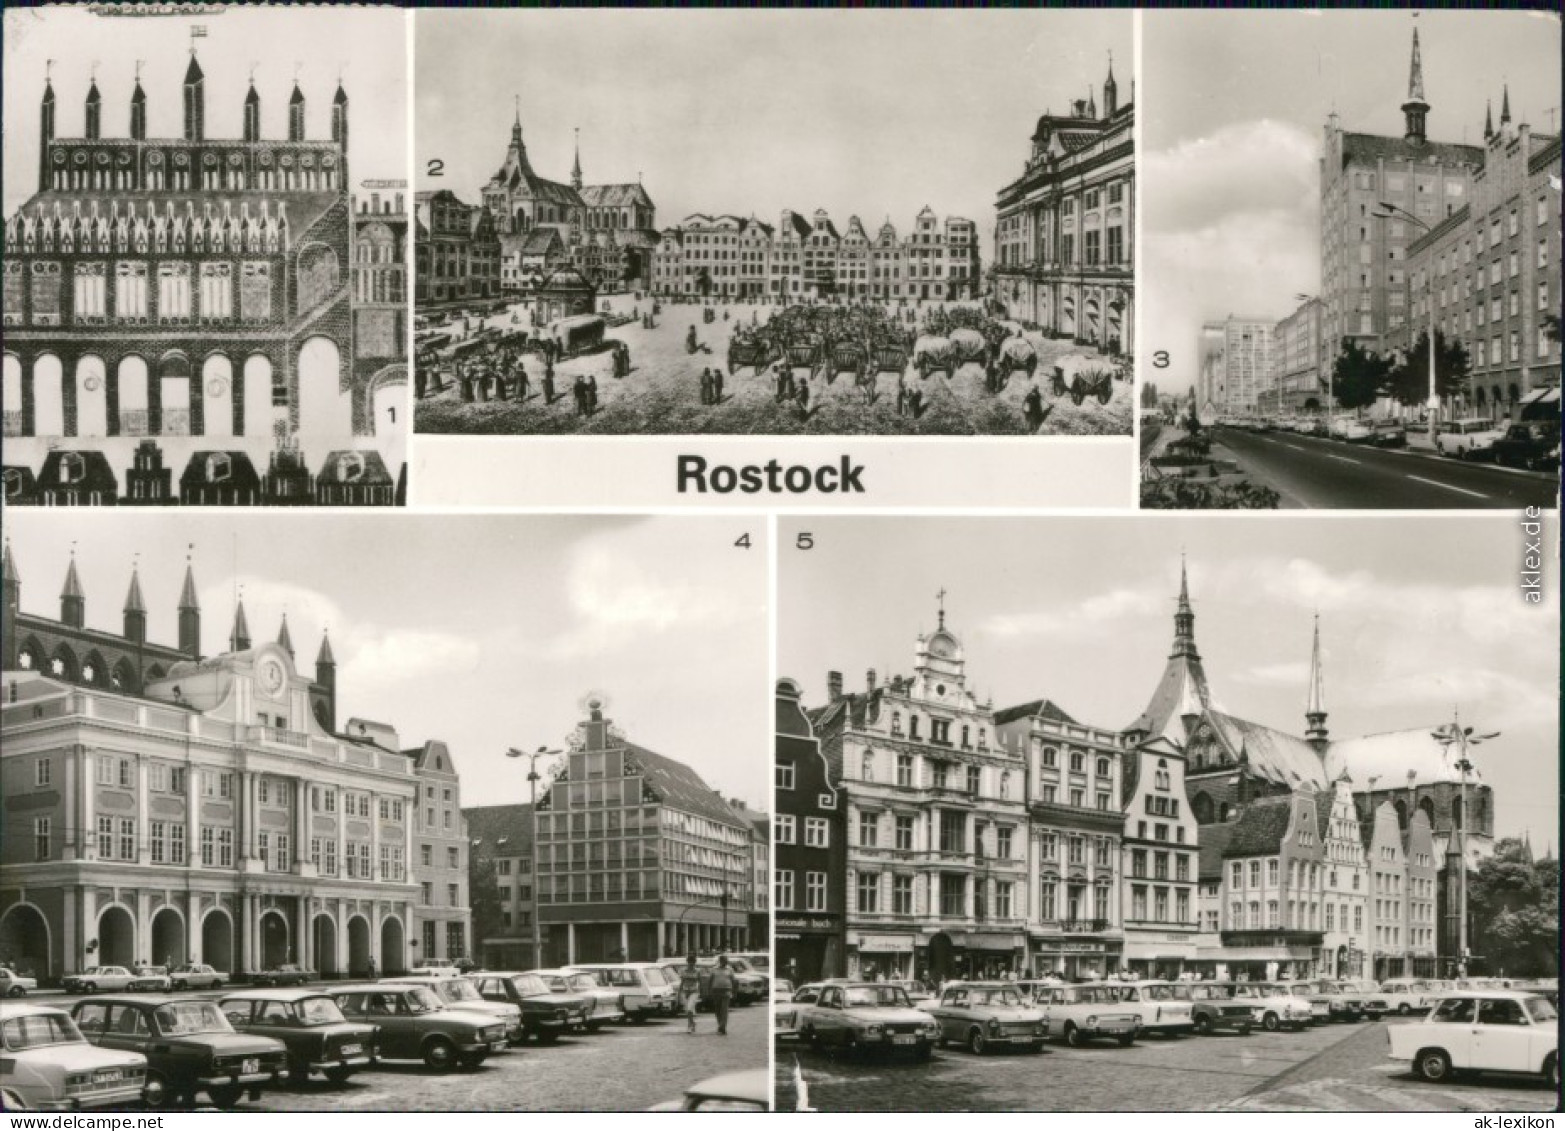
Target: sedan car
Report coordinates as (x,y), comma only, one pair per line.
(605,1003)
(288,974)
(1533,445)
(1468,439)
(1276,1006)
(1407,995)
(1482,1031)
(309,1023)
(1388,434)
(96,978)
(648,992)
(985,1016)
(13,984)
(545,1013)
(750,1090)
(196,976)
(860,1016)
(1078,1014)
(1355,432)
(49,1066)
(1164,1007)
(189,1045)
(460,993)
(415,1024)
(151,979)
(1215,1006)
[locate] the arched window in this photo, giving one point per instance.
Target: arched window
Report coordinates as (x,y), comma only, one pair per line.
(1456,812)
(1401,807)
(1202,808)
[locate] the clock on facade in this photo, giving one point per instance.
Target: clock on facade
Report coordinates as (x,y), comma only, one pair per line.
(943,647)
(271,677)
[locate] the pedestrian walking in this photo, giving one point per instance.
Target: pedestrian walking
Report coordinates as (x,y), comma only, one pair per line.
(1032,408)
(706,386)
(721,990)
(717,386)
(592,395)
(802,399)
(548,382)
(523,385)
(579,394)
(690,976)
(372,966)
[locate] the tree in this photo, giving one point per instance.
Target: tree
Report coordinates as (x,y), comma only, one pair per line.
(483,898)
(1410,378)
(1359,376)
(1514,908)
(1149,395)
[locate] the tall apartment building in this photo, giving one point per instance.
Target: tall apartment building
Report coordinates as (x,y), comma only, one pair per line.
(1301,365)
(1237,368)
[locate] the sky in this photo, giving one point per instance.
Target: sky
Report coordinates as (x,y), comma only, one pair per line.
(486,631)
(366,47)
(750,112)
(1418,615)
(1236,108)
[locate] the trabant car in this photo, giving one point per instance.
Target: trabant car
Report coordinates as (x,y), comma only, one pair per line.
(1091,1012)
(607,1004)
(13,984)
(782,991)
(647,991)
(189,1045)
(1468,439)
(96,978)
(861,1016)
(1533,445)
(749,985)
(545,1013)
(310,1025)
(1369,995)
(459,993)
(438,967)
(1341,1002)
(151,979)
(1276,1006)
(196,976)
(49,1066)
(1407,995)
(1319,999)
(415,1024)
(1482,1031)
(1215,1006)
(750,1090)
(985,1016)
(1165,1007)
(633,997)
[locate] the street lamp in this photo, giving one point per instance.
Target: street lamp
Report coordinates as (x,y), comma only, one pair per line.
(533,778)
(1383,212)
(1455,734)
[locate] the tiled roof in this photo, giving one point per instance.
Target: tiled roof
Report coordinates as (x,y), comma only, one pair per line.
(1181,691)
(341,464)
(1039,708)
(1391,757)
(1373,147)
(240,472)
(1259,829)
(680,786)
(1214,840)
(540,240)
(486,824)
(615,196)
(1280,758)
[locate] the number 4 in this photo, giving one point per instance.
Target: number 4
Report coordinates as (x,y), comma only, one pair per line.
(744,541)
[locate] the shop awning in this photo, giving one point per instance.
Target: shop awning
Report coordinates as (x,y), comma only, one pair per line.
(1252,954)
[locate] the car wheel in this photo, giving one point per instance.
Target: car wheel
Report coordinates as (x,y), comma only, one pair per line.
(1551,1070)
(1271,1022)
(16,991)
(638,1019)
(226,1096)
(1433,1064)
(339,1075)
(976,1043)
(439,1054)
(1126,1039)
(472,1060)
(1244,1030)
(1203,1024)
(179,985)
(155,1093)
(1073,1036)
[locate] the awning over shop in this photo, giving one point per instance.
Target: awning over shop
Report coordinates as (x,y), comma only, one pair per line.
(1164,951)
(987,940)
(885,944)
(1253,954)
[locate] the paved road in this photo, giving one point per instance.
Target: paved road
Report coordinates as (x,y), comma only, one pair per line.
(1311,471)
(1329,1067)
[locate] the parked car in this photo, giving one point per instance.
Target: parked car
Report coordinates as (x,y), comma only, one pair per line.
(1165,1007)
(986,1015)
(1276,1006)
(1482,1031)
(634,999)
(1331,1001)
(310,1025)
(758,960)
(98,978)
(415,1024)
(437,966)
(1533,445)
(545,1013)
(49,1066)
(782,991)
(1370,996)
(750,1090)
(196,976)
(749,985)
(607,1004)
(1215,1006)
(189,1045)
(460,993)
(1356,432)
(1468,439)
(1388,434)
(647,991)
(151,979)
(1319,999)
(1406,995)
(13,984)
(1077,1014)
(859,1016)
(288,974)
(918,993)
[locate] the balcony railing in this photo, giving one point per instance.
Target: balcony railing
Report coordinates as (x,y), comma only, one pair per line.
(297,739)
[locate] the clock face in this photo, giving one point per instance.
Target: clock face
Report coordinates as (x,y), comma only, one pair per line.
(942,646)
(271,677)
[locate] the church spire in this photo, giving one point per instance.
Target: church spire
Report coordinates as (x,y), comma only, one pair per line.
(189,614)
(1184,619)
(296,113)
(73,602)
(135,610)
(133,600)
(576,168)
(1415,109)
(1182,692)
(252,114)
(1110,91)
(1488,120)
(195,101)
(284,640)
(1315,710)
(1505,107)
(138,111)
(94,111)
(239,638)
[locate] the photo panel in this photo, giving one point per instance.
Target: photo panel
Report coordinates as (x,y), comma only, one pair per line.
(1146,813)
(418,813)
(890,224)
(206,238)
(1326,190)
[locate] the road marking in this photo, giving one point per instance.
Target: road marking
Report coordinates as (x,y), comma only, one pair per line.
(1448,487)
(1344,459)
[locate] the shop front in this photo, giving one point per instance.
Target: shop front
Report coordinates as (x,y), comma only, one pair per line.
(957,955)
(1262,956)
(887,955)
(1075,959)
(809,947)
(1159,955)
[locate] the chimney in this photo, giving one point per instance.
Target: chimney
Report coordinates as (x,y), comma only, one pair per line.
(869,681)
(834,686)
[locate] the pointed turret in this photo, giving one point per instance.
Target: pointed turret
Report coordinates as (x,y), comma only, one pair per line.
(339,117)
(1415,109)
(73,602)
(189,616)
(576,168)
(239,638)
(94,112)
(284,640)
(135,610)
(1182,692)
(11,586)
(138,113)
(1092,105)
(1315,710)
(1505,107)
(252,128)
(1110,92)
(1488,121)
(1184,619)
(323,696)
(45,132)
(296,114)
(10,575)
(195,101)
(324,657)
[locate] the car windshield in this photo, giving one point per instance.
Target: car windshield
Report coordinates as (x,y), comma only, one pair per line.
(184,1018)
(530,985)
(319,1011)
(421,999)
(994,995)
(460,989)
(1273,991)
(582,982)
(1129,993)
(740,964)
(1541,1009)
(654,976)
(21,1033)
(617,976)
(889,996)
(760,962)
(1167,993)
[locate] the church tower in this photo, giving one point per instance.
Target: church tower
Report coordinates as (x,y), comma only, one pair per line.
(339,125)
(1182,692)
(189,617)
(135,611)
(296,114)
(576,168)
(195,101)
(1415,109)
(138,113)
(1315,711)
(324,693)
(252,128)
(45,133)
(1110,92)
(73,602)
(94,112)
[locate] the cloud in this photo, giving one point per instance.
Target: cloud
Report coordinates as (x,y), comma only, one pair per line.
(1086,616)
(309,610)
(1248,167)
(380,656)
(1292,675)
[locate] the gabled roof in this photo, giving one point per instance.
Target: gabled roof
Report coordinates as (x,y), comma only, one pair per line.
(540,241)
(680,786)
(365,468)
(615,196)
(1259,829)
(240,471)
(1391,758)
(1045,709)
(1281,758)
(1214,841)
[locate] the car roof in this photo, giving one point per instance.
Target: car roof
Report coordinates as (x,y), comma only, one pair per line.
(366,987)
(750,1084)
(420,979)
(29,1009)
(1514,995)
(141,999)
(987,984)
(275,993)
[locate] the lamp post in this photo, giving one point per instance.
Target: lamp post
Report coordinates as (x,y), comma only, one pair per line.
(533,778)
(1385,211)
(1454,734)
